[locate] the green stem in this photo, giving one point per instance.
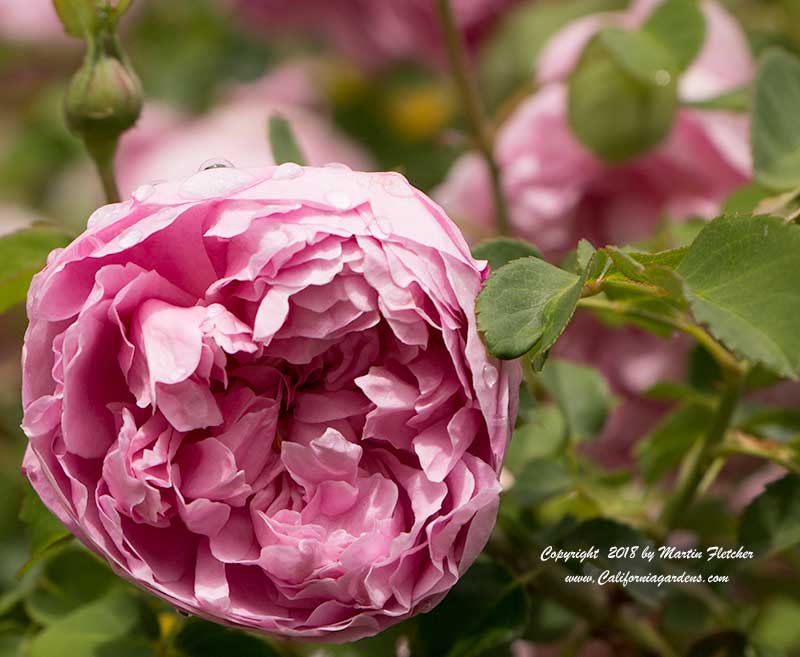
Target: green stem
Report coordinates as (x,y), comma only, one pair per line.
(721,355)
(737,442)
(473,107)
(699,460)
(102,152)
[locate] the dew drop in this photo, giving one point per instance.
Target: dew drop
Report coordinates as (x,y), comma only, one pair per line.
(337,165)
(213,183)
(287,171)
(663,78)
(53,255)
(183,613)
(396,185)
(216,163)
(130,237)
(143,192)
(215,310)
(107,214)
(338,199)
(490,375)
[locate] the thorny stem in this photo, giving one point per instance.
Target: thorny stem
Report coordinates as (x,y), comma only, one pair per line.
(473,108)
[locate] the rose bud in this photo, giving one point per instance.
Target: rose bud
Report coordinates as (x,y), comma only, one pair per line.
(104,98)
(261,395)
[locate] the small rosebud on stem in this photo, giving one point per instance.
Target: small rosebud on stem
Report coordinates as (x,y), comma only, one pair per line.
(104,98)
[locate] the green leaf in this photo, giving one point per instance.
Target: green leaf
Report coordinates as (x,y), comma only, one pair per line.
(674,435)
(45,531)
(85,632)
(679,26)
(775,130)
(283,143)
(604,534)
(746,199)
(581,393)
(70,580)
(542,435)
(685,615)
(549,621)
(525,307)
(199,638)
(777,625)
(79,17)
(22,254)
(740,278)
(484,610)
(500,251)
(584,255)
(623,94)
(771,522)
(540,480)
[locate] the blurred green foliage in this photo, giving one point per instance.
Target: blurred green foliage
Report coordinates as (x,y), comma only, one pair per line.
(407,117)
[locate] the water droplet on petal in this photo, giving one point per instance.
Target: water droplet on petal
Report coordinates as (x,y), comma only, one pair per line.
(396,185)
(213,183)
(216,163)
(53,255)
(339,200)
(337,165)
(182,612)
(108,214)
(490,375)
(287,171)
(130,237)
(143,192)
(215,310)
(663,77)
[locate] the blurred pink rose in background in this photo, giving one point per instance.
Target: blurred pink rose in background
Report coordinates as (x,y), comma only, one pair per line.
(29,21)
(167,144)
(261,395)
(559,192)
(377,32)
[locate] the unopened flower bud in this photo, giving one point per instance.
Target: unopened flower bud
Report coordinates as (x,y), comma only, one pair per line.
(104,97)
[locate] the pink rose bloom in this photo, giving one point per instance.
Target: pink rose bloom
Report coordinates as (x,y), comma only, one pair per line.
(376,32)
(261,395)
(559,192)
(165,144)
(29,21)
